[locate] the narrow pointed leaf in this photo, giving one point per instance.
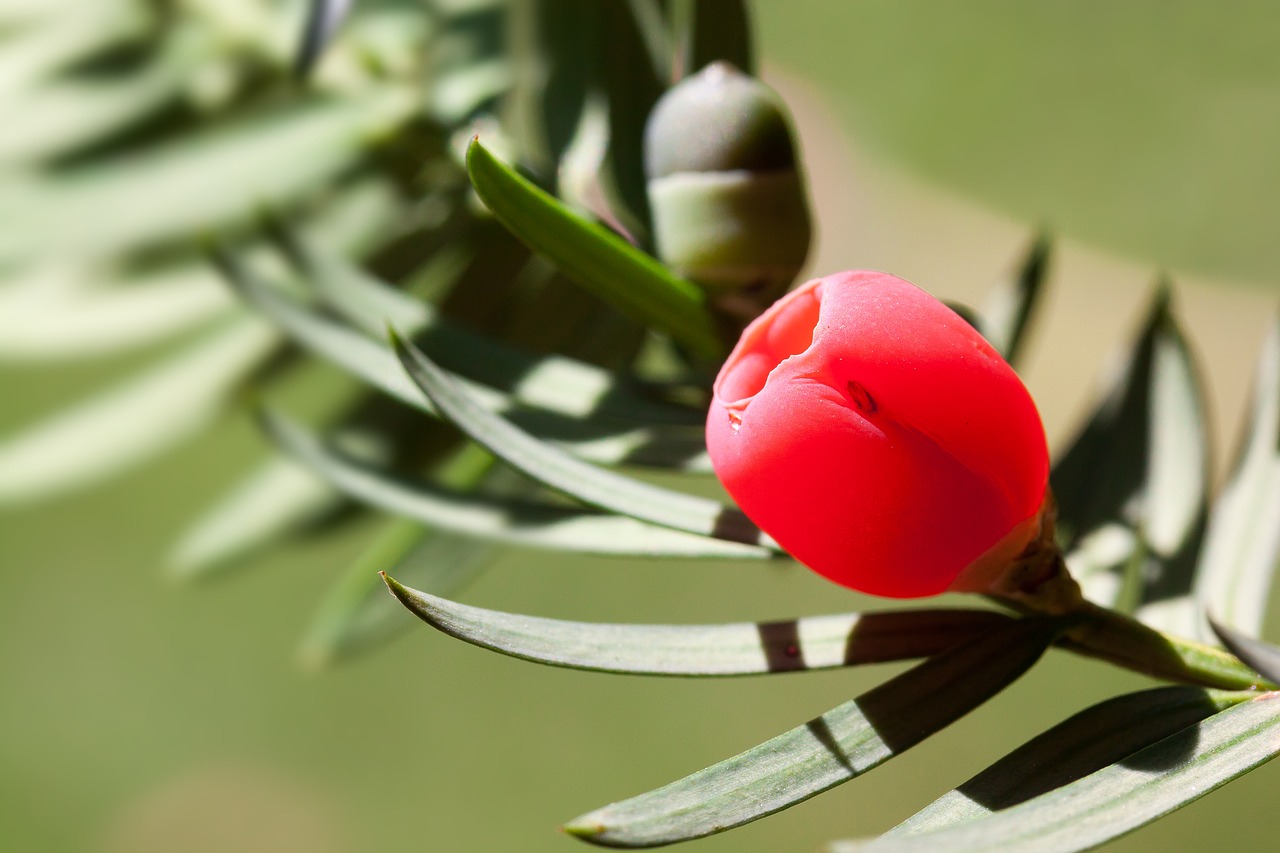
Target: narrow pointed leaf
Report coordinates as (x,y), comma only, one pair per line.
(600,261)
(550,90)
(748,648)
(36,52)
(135,420)
(653,33)
(565,473)
(497,519)
(1142,462)
(633,73)
(1010,308)
(40,12)
(712,31)
(368,302)
(551,382)
(1119,798)
(73,311)
(845,742)
(324,17)
(1263,657)
(1242,547)
(356,614)
(546,381)
(559,411)
(61,116)
(1087,742)
(276,498)
(175,190)
(78,312)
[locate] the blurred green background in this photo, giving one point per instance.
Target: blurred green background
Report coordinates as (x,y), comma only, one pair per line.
(136,716)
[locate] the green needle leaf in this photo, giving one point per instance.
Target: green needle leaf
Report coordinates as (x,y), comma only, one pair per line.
(713,30)
(175,190)
(82,311)
(277,497)
(547,381)
(1010,308)
(1119,798)
(324,17)
(845,742)
(500,520)
(597,259)
(1141,464)
(367,302)
(137,419)
(62,115)
(356,614)
(631,75)
(1242,547)
(1263,657)
(1087,742)
(557,469)
(35,51)
(560,412)
(747,648)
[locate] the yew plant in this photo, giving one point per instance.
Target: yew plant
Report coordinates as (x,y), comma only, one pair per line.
(644,209)
(884,440)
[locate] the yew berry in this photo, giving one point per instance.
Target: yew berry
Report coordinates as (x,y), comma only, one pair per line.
(879,438)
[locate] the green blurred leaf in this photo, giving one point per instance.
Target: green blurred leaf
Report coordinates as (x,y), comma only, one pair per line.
(1089,741)
(552,386)
(748,648)
(1119,798)
(554,72)
(468,63)
(1242,546)
(368,302)
(554,468)
(1263,657)
(61,115)
(196,184)
(841,744)
(1142,462)
(35,52)
(600,261)
(137,419)
(39,12)
(713,30)
(73,312)
(1010,308)
(633,72)
(499,519)
(648,27)
(552,382)
(67,310)
(276,497)
(357,615)
(324,17)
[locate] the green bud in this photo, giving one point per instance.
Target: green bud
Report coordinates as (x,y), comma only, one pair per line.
(729,204)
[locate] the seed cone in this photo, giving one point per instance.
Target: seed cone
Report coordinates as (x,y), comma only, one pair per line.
(729,205)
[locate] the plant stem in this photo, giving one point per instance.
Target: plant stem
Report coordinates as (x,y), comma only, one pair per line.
(1114,637)
(1038,583)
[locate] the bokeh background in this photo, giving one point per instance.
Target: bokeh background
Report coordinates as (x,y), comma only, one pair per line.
(136,715)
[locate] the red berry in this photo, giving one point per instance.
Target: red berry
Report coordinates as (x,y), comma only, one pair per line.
(879,438)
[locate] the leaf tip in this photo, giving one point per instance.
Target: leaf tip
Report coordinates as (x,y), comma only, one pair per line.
(1164,291)
(584,828)
(398,589)
(473,145)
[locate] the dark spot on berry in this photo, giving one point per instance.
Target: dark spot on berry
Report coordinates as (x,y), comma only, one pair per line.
(862,398)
